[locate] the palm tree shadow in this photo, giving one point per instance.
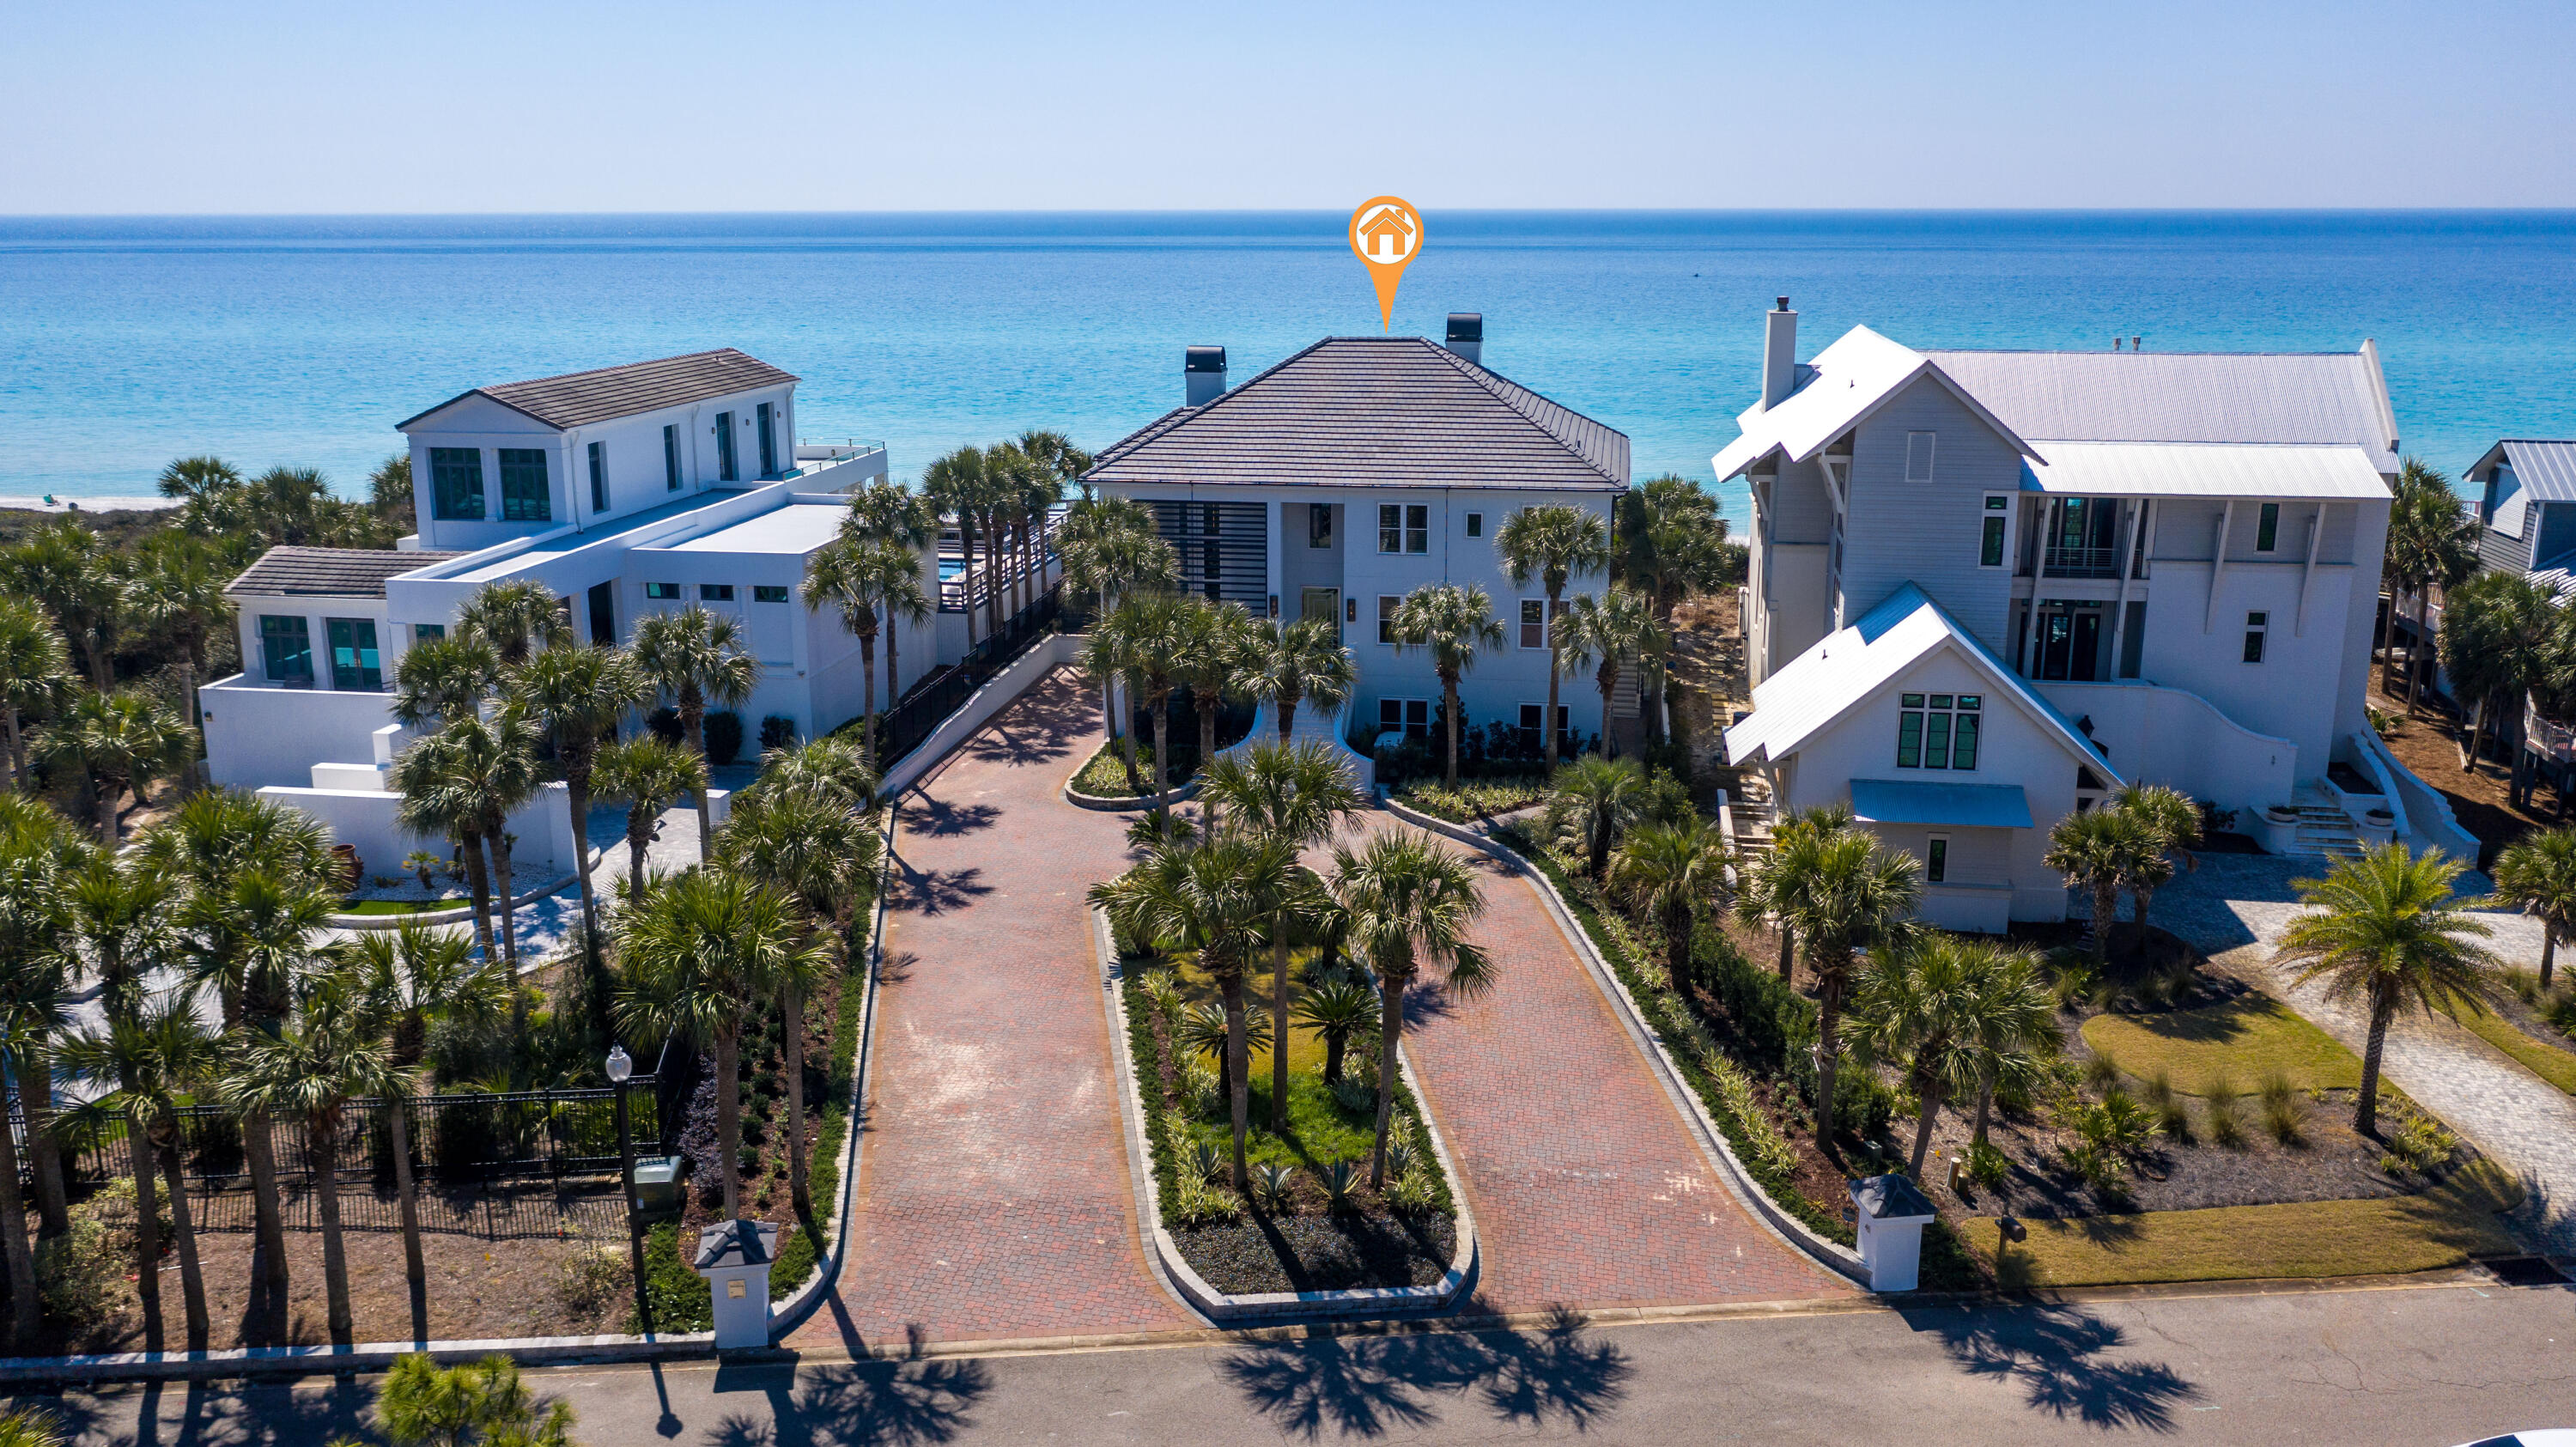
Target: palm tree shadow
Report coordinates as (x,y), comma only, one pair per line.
(940,819)
(2055,1352)
(1426,1001)
(937,891)
(1372,1386)
(912,1402)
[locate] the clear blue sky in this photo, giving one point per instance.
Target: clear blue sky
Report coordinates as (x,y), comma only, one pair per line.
(188,106)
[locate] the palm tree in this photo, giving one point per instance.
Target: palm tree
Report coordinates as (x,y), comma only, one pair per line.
(575,698)
(34,667)
(2010,1025)
(2539,874)
(325,1055)
(2172,823)
(1337,1008)
(36,955)
(2388,931)
(1110,657)
(68,572)
(826,766)
(117,742)
(1145,637)
(1209,661)
(1672,544)
(1911,1006)
(1601,798)
(2432,543)
(1842,893)
(956,484)
(1056,464)
(811,846)
(516,620)
(862,577)
(2097,851)
(2503,634)
(1297,794)
(697,658)
(1555,543)
(703,952)
(650,776)
(1110,548)
(1670,870)
(122,910)
(466,780)
(426,1405)
(135,1069)
(182,594)
(1410,903)
(1618,625)
(189,478)
(1758,898)
(441,680)
(1453,624)
(1300,662)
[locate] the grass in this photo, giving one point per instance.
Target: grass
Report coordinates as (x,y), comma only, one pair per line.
(2445,1226)
(1472,798)
(402,906)
(1105,777)
(2244,1039)
(2547,1061)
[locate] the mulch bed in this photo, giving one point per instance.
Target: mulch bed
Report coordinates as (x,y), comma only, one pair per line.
(1264,1253)
(2480,799)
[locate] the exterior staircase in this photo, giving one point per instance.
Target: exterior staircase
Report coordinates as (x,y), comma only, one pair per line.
(1312,725)
(2323,827)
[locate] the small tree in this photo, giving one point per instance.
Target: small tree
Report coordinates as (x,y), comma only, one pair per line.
(1409,903)
(1452,624)
(1613,628)
(1671,871)
(2097,851)
(1554,543)
(1842,893)
(650,776)
(699,659)
(2539,874)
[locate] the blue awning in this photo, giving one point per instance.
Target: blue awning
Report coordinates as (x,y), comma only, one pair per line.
(1921,801)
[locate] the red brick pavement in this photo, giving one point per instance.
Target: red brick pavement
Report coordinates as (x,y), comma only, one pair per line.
(994,1199)
(1588,1188)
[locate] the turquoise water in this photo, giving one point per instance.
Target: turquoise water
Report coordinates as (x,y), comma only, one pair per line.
(303,340)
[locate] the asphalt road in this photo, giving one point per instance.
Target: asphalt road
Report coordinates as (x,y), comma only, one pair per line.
(2421,1366)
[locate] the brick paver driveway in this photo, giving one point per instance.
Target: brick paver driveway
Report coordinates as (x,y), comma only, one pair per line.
(993,1195)
(1588,1188)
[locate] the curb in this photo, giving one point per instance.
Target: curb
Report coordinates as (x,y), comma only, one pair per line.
(1123,803)
(1283,1307)
(440,916)
(243,1362)
(1790,1231)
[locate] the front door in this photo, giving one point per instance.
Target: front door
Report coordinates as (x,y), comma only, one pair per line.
(1324,603)
(2070,642)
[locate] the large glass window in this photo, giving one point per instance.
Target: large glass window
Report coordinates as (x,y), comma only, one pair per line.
(1938,731)
(671,458)
(2267,528)
(286,645)
(1403,528)
(456,483)
(1533,623)
(1387,603)
(355,664)
(725,470)
(715,592)
(767,421)
(1990,543)
(599,477)
(524,496)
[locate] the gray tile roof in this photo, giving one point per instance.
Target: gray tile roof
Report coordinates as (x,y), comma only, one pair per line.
(577,399)
(2321,397)
(1374,412)
(2546,470)
(329,572)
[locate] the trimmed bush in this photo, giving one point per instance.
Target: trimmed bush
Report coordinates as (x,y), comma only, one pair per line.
(724,737)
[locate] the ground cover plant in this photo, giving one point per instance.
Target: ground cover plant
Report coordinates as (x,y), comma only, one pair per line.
(1472,799)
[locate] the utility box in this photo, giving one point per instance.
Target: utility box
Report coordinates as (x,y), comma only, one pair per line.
(735,1259)
(657,1183)
(1891,1213)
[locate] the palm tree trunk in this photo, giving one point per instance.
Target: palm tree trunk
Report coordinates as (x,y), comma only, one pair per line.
(1449,699)
(729,1115)
(2548,953)
(322,1143)
(2414,664)
(415,1273)
(1677,946)
(1238,1063)
(993,572)
(23,1305)
(479,885)
(1206,710)
(147,1232)
(638,834)
(1279,1026)
(1931,1098)
(1336,1044)
(868,695)
(1985,1101)
(17,747)
(1609,677)
(44,1152)
(1829,1021)
(102,802)
(1547,725)
(894,690)
(798,1192)
(577,795)
(966,575)
(2106,910)
(1390,1026)
(259,1146)
(1788,954)
(192,1276)
(1287,704)
(1162,754)
(2382,1006)
(693,721)
(2471,740)
(1126,737)
(509,912)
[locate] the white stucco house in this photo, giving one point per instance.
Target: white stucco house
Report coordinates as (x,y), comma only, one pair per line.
(1358,470)
(1989,587)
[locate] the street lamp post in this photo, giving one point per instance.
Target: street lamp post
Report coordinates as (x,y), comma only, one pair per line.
(621,1066)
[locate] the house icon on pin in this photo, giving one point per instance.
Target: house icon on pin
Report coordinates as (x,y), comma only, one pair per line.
(1388,234)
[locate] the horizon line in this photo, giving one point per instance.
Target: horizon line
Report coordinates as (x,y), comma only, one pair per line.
(1106,211)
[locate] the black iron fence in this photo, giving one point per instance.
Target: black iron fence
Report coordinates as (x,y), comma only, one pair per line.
(940,693)
(969,587)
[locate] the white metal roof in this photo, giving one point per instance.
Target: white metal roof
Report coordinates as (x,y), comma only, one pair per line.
(2545,469)
(1847,382)
(2203,469)
(795,530)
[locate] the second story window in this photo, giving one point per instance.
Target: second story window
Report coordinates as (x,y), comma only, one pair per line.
(768,593)
(671,458)
(1319,525)
(1938,731)
(1475,525)
(768,428)
(2256,626)
(599,477)
(1387,603)
(1990,541)
(725,470)
(428,632)
(2267,529)
(662,592)
(524,497)
(355,663)
(1403,528)
(1918,456)
(286,646)
(456,484)
(715,592)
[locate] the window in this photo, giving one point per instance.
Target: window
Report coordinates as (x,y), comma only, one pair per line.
(765,419)
(1938,731)
(1531,713)
(715,592)
(2267,530)
(1475,525)
(1918,456)
(355,663)
(1411,715)
(1386,606)
(523,486)
(599,477)
(767,593)
(1533,623)
(1319,525)
(1936,859)
(1990,544)
(1403,528)
(287,645)
(725,470)
(671,458)
(603,614)
(668,592)
(456,479)
(2256,625)
(428,632)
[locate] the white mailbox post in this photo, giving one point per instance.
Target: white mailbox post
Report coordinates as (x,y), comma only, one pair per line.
(1891,1212)
(735,1259)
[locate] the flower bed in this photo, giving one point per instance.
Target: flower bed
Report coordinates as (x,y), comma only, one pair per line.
(1473,798)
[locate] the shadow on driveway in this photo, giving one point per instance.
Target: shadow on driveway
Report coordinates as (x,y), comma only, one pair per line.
(1371,1386)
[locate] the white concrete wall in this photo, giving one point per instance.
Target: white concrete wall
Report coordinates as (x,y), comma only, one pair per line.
(257,737)
(2296,692)
(2169,736)
(542,850)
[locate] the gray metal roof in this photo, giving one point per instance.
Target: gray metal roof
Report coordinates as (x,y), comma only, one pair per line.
(1374,412)
(2318,397)
(737,1243)
(577,399)
(1890,1197)
(2546,469)
(329,572)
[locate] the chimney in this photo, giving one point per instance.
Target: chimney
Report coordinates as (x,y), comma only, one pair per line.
(1203,368)
(1779,354)
(1467,335)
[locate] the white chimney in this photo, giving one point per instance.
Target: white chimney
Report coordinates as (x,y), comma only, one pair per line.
(1779,354)
(1203,370)
(1467,335)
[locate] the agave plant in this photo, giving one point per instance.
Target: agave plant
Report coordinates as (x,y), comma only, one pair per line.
(1207,1160)
(1340,1179)
(1274,1186)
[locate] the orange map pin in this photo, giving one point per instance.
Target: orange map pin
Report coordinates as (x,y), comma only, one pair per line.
(1386,234)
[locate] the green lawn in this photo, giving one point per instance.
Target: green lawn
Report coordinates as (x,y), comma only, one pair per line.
(2245,1039)
(2442,1227)
(2547,1061)
(402,906)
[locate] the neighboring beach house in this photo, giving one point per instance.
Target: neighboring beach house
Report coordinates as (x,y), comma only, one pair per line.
(1358,470)
(1988,588)
(2526,491)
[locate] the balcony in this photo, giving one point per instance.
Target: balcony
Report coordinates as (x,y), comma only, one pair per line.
(825,466)
(2073,562)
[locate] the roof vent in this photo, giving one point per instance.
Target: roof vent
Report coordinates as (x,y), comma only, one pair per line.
(1203,370)
(1467,335)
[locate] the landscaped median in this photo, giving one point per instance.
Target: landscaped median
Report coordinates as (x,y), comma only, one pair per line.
(1101,782)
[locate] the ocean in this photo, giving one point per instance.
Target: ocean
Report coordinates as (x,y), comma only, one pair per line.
(303,340)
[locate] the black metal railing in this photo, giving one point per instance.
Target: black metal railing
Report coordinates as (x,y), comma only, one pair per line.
(943,691)
(973,586)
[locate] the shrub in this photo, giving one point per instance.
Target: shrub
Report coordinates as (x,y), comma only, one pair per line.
(1413,1194)
(2173,1117)
(1767,1013)
(80,1275)
(664,722)
(1987,1166)
(1274,1186)
(2420,1147)
(724,737)
(2223,1106)
(592,1281)
(2561,1012)
(1196,1203)
(1355,1095)
(2102,1072)
(1769,1149)
(2285,1111)
(678,1294)
(777,731)
(1340,1178)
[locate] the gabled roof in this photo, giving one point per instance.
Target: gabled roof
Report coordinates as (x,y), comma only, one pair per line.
(2317,397)
(577,399)
(1854,377)
(329,572)
(1374,412)
(2546,470)
(1849,666)
(2204,469)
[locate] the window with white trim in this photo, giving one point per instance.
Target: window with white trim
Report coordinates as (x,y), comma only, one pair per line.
(662,592)
(1403,527)
(2257,625)
(1939,730)
(1387,603)
(1411,715)
(1990,536)
(2267,529)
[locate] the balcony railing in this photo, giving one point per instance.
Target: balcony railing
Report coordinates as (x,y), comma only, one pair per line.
(2062,562)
